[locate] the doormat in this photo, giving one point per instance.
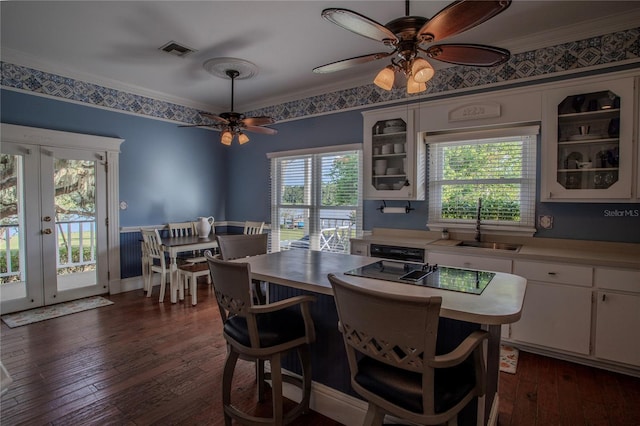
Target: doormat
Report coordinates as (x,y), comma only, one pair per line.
(47,312)
(508,359)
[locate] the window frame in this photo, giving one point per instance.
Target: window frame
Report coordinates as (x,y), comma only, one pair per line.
(313,191)
(527,179)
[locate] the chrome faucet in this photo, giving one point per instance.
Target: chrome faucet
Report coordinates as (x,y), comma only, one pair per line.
(478,235)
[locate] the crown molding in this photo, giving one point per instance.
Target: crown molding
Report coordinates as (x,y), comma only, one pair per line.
(26,60)
(573,32)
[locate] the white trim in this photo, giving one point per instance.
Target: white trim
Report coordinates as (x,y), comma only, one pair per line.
(480,133)
(56,138)
(329,402)
(316,150)
(21,59)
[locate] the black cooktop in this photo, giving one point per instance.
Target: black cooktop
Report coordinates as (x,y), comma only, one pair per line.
(454,279)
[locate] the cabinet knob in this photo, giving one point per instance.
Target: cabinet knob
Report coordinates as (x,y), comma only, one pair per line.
(551,273)
(604,297)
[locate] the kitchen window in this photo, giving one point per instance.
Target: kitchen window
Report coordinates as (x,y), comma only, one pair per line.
(494,169)
(316,198)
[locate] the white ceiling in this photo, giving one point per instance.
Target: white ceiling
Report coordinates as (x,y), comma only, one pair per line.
(116,43)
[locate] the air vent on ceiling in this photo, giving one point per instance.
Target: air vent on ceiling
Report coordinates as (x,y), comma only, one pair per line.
(177,49)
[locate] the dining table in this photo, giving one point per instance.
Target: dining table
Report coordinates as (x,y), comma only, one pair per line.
(291,272)
(175,245)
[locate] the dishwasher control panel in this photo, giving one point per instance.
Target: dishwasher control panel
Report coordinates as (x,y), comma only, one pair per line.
(405,254)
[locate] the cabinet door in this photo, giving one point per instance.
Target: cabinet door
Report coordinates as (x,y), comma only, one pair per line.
(470,262)
(555,316)
(617,327)
(587,146)
(394,162)
(361,249)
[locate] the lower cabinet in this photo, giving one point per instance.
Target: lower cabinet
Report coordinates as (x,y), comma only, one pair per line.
(617,313)
(618,327)
(557,306)
(555,316)
(361,249)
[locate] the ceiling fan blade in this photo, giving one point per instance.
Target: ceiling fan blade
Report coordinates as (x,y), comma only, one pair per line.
(258,121)
(262,130)
(468,54)
(214,117)
(359,24)
(348,63)
(203,126)
(460,16)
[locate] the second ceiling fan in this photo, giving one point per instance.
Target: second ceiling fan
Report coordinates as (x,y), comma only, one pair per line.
(406,36)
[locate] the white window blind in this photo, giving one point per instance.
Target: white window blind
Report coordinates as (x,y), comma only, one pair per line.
(497,166)
(316,199)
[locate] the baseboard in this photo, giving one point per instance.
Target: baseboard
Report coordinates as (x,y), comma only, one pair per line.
(493,415)
(130,284)
(578,359)
(331,403)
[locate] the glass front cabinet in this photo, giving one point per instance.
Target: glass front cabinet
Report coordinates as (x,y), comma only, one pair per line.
(587,146)
(394,160)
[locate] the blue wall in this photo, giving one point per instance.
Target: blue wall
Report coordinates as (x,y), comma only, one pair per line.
(172,174)
(167,173)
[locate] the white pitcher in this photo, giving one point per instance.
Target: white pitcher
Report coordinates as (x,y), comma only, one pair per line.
(203,226)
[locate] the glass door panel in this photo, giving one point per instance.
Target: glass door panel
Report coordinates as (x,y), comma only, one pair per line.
(72,208)
(52,225)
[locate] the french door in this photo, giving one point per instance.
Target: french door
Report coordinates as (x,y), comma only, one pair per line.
(53,228)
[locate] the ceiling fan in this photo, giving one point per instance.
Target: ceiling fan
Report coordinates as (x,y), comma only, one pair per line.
(406,36)
(233,123)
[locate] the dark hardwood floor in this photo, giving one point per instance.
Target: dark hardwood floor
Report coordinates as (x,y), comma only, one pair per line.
(138,362)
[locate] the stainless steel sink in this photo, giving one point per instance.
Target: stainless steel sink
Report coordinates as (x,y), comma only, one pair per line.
(490,245)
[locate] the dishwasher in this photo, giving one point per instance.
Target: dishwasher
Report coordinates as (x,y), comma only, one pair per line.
(404,254)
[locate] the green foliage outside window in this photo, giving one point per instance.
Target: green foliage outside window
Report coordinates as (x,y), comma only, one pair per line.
(475,171)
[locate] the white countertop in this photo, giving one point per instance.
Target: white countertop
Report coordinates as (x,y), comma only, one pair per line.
(499,303)
(594,253)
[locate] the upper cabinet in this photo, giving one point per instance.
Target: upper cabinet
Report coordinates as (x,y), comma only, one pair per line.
(394,160)
(587,145)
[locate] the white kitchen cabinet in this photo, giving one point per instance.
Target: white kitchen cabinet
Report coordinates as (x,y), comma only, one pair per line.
(557,311)
(618,327)
(494,264)
(617,313)
(587,142)
(394,160)
(358,248)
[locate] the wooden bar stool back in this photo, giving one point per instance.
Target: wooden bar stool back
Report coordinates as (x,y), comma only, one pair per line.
(391,348)
(261,332)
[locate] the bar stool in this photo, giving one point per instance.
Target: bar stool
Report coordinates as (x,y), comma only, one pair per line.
(392,356)
(261,332)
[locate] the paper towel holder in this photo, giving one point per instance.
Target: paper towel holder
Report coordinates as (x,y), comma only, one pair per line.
(385,209)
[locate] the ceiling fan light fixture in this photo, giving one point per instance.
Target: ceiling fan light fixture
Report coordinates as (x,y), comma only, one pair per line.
(415,87)
(384,79)
(226,138)
(421,70)
(242,138)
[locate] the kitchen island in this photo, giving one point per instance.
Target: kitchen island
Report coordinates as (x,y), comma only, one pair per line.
(294,271)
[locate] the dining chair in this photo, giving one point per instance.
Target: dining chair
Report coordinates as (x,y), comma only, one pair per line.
(259,333)
(241,245)
(183,229)
(393,361)
(188,274)
(251,228)
(153,254)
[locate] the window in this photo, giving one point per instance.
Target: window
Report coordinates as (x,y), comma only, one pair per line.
(316,198)
(495,166)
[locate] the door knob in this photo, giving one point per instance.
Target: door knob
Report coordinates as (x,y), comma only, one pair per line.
(47,231)
(47,218)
